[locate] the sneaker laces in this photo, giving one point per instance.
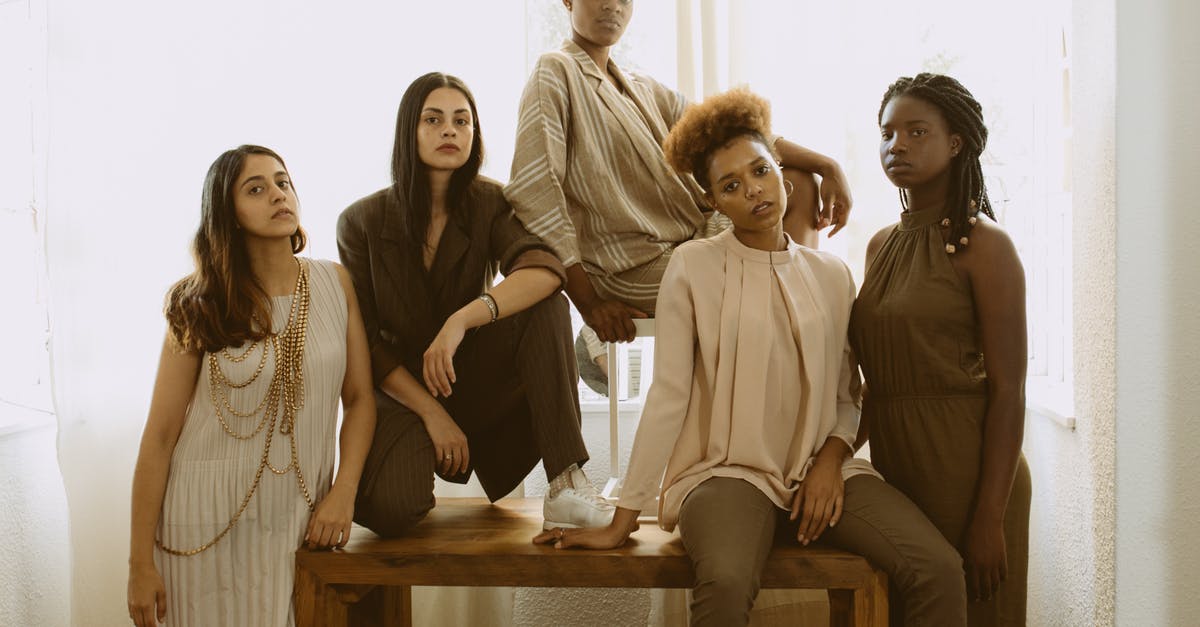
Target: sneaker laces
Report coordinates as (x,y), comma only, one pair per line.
(584,488)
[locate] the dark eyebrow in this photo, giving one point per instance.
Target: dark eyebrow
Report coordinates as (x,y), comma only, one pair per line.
(259,177)
(756,162)
(437,110)
(908,123)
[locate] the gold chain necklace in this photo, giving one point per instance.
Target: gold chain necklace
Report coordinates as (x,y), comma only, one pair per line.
(284,398)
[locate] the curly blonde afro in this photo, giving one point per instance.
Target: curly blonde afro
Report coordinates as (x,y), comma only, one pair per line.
(707,126)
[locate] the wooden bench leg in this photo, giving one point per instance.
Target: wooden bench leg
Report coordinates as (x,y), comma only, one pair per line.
(860,607)
(383,606)
(841,608)
(318,604)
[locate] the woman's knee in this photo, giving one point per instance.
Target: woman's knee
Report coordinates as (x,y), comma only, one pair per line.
(938,570)
(392,515)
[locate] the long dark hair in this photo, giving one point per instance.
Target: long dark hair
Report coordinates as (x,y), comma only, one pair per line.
(410,180)
(221,303)
(967,194)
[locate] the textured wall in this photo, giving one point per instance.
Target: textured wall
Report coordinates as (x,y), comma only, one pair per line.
(34,578)
(1158,297)
(1072,523)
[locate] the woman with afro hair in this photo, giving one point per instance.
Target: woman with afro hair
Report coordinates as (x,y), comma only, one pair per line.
(751,419)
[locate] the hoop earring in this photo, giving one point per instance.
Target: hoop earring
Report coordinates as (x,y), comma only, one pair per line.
(787,187)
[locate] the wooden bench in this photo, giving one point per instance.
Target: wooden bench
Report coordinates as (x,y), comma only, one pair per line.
(469,542)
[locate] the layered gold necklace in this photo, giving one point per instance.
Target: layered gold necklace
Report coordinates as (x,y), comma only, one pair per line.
(278,408)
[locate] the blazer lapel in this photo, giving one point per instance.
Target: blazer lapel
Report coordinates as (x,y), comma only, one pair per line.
(624,109)
(444,281)
(410,288)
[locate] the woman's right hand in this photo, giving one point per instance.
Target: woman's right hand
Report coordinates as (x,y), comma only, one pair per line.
(451,454)
(438,368)
(612,320)
(147,596)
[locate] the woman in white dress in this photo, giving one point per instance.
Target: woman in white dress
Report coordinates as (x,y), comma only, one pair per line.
(235,470)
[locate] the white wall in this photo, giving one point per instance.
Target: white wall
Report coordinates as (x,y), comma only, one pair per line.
(1157,302)
(143,95)
(1073,515)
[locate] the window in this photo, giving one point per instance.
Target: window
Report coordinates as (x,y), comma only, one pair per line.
(25,366)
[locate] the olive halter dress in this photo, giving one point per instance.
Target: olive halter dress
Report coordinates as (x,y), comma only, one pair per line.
(915,333)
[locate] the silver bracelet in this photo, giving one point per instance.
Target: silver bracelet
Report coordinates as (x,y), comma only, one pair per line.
(491,305)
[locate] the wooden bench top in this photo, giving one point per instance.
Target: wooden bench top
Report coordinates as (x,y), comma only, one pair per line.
(470,542)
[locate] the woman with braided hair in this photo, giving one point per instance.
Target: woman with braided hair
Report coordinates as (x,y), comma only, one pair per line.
(939,328)
(754,405)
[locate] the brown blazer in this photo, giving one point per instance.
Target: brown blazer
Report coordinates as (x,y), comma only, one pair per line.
(403,306)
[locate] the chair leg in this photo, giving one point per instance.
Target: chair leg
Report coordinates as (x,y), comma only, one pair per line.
(614,392)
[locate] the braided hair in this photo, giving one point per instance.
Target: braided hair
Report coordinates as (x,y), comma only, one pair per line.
(967,193)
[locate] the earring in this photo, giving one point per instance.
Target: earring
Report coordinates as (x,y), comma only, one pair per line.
(787,187)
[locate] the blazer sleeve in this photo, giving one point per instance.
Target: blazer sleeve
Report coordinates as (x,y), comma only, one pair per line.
(849,386)
(671,104)
(539,165)
(670,394)
(354,249)
(515,248)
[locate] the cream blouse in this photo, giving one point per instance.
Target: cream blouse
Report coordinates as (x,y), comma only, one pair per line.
(752,373)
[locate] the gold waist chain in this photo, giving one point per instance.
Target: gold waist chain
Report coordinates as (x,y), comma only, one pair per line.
(284,398)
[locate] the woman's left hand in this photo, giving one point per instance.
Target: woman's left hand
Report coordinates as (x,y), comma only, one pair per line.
(329,525)
(985,558)
(818,500)
(439,357)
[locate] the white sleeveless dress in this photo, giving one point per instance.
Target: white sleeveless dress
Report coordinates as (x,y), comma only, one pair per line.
(246,578)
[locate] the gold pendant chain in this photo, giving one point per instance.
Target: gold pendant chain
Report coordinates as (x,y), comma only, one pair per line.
(285,392)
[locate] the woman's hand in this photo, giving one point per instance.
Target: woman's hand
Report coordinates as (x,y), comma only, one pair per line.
(439,357)
(146,595)
(583,538)
(624,522)
(818,500)
(612,320)
(329,525)
(452,456)
(985,558)
(835,200)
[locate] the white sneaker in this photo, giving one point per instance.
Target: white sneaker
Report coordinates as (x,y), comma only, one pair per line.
(575,503)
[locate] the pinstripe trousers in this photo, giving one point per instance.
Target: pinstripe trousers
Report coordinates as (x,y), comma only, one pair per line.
(515,399)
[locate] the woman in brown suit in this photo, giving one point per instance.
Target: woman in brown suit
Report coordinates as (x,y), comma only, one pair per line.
(469,376)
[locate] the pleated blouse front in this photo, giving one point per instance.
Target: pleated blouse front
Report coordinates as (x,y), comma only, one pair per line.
(752,373)
(246,577)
